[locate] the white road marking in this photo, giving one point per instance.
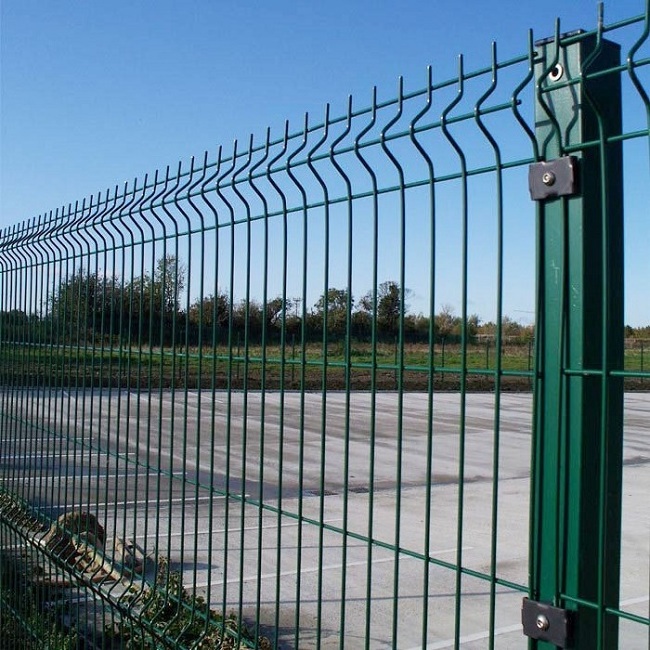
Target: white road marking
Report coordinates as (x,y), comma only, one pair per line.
(151,502)
(74,453)
(634,601)
(450,643)
(77,477)
(219,531)
(479,636)
(325,567)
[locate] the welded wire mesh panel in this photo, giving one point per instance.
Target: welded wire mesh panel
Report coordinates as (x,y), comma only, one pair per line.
(255,395)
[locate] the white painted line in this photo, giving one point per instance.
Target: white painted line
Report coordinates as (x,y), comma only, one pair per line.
(75,477)
(237,530)
(46,440)
(450,643)
(74,453)
(152,502)
(634,601)
(325,567)
(287,525)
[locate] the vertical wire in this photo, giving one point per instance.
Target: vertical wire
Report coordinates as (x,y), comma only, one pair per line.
(373,370)
(102,219)
(160,266)
(123,434)
(174,305)
(94,434)
(159,225)
(199,183)
(41,378)
(498,343)
(515,101)
(87,233)
(229,382)
(245,387)
(430,360)
(81,310)
(22,311)
(19,378)
(400,354)
(643,38)
(348,354)
(169,308)
(141,199)
(123,439)
(114,211)
(184,193)
(31,295)
(213,382)
(463,370)
(14,376)
(63,431)
(13,445)
(537,412)
(49,254)
(58,344)
(303,369)
(22,316)
(83,316)
(144,459)
(281,424)
(263,377)
(324,373)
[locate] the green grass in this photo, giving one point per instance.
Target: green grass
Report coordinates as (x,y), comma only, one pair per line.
(275,367)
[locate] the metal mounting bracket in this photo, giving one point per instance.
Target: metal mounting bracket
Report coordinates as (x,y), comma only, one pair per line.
(547,623)
(553,178)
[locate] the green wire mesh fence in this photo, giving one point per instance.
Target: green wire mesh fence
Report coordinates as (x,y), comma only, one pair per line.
(246,401)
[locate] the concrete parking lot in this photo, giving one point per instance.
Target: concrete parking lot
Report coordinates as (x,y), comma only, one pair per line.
(287,508)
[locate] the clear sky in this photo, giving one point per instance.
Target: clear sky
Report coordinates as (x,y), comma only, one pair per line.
(95,93)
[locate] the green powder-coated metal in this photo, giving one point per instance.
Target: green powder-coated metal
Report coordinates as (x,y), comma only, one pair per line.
(247,366)
(577,495)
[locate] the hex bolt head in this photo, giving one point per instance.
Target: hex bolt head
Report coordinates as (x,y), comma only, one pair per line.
(542,622)
(556,73)
(548,178)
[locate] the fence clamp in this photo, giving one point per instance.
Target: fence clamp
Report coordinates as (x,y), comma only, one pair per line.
(552,178)
(547,623)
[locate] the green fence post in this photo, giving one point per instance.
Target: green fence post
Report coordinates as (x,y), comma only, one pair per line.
(577,462)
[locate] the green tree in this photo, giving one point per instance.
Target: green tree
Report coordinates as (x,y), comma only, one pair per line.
(83,306)
(207,313)
(389,305)
(335,304)
(211,309)
(169,283)
(446,321)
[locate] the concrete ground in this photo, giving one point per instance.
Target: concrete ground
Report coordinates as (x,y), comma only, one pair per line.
(309,485)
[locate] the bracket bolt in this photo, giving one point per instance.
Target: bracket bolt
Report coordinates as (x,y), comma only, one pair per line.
(548,178)
(542,622)
(556,73)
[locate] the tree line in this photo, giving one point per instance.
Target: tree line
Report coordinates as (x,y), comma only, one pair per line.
(88,308)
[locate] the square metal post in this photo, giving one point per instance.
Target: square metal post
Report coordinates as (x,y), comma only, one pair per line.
(577,457)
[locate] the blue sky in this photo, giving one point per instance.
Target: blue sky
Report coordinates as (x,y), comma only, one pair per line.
(93,94)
